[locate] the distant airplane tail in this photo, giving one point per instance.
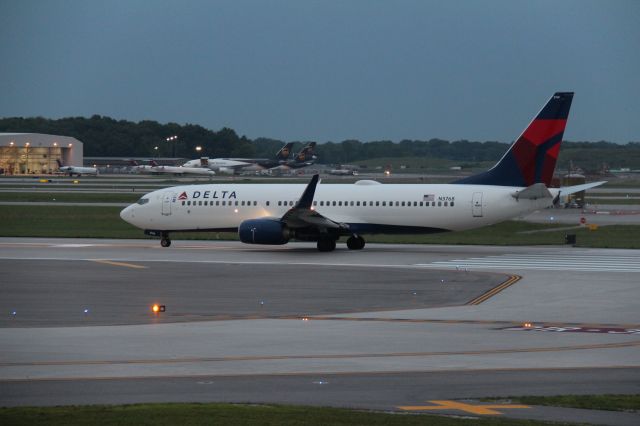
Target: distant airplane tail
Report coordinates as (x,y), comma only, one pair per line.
(204,162)
(153,163)
(306,153)
(59,162)
(532,158)
(284,152)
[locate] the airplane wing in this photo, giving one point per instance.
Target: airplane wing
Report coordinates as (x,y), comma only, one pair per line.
(303,215)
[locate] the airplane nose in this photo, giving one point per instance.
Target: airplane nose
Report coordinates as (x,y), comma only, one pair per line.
(125,214)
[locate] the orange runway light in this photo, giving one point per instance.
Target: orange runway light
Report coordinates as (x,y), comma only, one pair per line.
(158,308)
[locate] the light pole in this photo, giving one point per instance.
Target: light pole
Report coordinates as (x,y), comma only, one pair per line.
(156,149)
(173,139)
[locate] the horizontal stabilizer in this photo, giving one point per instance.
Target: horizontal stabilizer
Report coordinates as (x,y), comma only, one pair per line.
(577,188)
(533,192)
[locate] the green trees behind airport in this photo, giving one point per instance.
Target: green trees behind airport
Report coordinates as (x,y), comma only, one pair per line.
(106,137)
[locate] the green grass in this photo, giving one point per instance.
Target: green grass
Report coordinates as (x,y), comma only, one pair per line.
(226,414)
(105,222)
(70,197)
(590,402)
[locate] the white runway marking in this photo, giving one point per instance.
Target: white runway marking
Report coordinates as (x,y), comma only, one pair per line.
(549,262)
(74,245)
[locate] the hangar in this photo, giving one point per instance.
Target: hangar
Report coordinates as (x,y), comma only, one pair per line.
(35,153)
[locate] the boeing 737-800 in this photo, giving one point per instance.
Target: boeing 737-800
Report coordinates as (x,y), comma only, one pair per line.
(276,213)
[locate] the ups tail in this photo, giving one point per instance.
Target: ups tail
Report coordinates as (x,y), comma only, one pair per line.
(532,158)
(284,152)
(306,153)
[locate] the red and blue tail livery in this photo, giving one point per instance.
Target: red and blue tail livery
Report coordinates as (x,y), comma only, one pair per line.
(532,158)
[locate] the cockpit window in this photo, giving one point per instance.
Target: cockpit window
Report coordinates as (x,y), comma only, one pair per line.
(142,201)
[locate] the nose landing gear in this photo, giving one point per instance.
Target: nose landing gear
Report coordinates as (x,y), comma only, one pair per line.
(165,241)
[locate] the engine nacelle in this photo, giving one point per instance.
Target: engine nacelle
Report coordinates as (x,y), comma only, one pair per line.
(263,231)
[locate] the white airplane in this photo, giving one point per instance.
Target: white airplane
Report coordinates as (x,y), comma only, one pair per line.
(237,165)
(155,168)
(276,213)
(219,165)
(75,170)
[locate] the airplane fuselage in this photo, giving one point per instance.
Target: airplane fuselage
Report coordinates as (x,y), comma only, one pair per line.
(365,208)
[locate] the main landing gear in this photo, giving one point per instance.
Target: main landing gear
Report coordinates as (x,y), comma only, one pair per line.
(326,244)
(165,241)
(355,242)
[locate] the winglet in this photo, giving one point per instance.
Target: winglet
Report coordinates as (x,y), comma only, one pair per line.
(306,200)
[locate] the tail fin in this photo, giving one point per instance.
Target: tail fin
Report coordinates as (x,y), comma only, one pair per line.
(153,163)
(59,162)
(306,153)
(532,158)
(284,152)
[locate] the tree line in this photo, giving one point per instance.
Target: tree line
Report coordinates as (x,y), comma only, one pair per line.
(106,137)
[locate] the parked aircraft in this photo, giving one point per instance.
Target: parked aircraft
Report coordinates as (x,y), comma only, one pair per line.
(75,170)
(304,158)
(276,213)
(236,165)
(155,168)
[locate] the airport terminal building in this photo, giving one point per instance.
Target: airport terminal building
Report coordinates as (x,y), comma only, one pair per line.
(35,153)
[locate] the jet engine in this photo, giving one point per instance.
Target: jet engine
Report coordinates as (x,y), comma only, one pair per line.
(263,231)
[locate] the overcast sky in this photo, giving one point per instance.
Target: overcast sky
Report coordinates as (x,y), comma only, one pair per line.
(327,70)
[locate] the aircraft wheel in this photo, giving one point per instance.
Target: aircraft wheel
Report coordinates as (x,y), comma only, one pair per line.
(165,242)
(326,244)
(355,242)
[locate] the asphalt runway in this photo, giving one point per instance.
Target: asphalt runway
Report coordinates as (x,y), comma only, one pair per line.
(38,291)
(386,328)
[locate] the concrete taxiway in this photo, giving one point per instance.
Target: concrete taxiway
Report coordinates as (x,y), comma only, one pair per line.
(387,327)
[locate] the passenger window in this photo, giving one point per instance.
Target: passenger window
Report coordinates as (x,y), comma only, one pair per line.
(415,204)
(290,203)
(224,203)
(439,203)
(255,203)
(279,203)
(315,203)
(217,203)
(433,204)
(421,203)
(397,203)
(188,203)
(451,204)
(384,203)
(446,204)
(267,203)
(334,203)
(183,203)
(377,203)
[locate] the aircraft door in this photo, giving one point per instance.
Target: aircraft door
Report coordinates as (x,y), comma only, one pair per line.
(476,204)
(167,197)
